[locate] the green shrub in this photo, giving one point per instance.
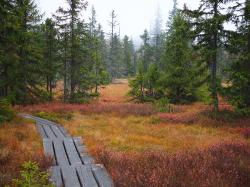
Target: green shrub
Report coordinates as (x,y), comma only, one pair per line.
(163,105)
(203,94)
(31,176)
(6,113)
(80,98)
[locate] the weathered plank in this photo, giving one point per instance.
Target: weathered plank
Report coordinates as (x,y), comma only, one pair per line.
(70,177)
(86,176)
(78,141)
(41,130)
(57,132)
(101,176)
(56,176)
(61,156)
(49,132)
(66,134)
(48,148)
(87,159)
(82,149)
(72,153)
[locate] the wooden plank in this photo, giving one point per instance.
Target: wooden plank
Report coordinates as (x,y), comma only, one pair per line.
(56,176)
(87,159)
(57,132)
(78,140)
(70,177)
(86,176)
(41,130)
(49,132)
(48,147)
(60,153)
(72,153)
(64,131)
(101,176)
(82,149)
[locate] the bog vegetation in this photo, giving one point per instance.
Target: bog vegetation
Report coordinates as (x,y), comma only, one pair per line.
(178,117)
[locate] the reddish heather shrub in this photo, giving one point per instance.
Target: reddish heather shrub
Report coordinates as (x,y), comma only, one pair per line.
(246,132)
(11,162)
(225,164)
(187,118)
(119,108)
(12,156)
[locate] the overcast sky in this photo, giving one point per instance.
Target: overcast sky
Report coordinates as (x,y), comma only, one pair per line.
(133,15)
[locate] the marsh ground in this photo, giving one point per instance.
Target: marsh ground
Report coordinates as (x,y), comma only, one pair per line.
(143,147)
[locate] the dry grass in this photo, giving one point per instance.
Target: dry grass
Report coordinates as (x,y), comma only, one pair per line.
(19,142)
(138,134)
(116,92)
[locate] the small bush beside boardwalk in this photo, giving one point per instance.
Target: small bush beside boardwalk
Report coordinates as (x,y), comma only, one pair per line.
(223,164)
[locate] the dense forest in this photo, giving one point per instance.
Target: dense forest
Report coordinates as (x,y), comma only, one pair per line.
(35,54)
(195,58)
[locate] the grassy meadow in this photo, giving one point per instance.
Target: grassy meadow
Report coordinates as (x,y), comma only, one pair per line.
(142,147)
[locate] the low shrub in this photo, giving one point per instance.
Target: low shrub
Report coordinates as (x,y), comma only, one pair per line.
(162,105)
(223,164)
(203,94)
(122,109)
(6,113)
(31,175)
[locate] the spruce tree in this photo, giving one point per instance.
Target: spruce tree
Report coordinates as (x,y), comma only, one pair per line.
(114,42)
(96,47)
(50,54)
(72,31)
(208,24)
(27,72)
(8,46)
(127,56)
(238,90)
(146,51)
(179,81)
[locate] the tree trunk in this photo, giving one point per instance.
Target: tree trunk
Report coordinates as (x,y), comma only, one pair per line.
(214,64)
(47,78)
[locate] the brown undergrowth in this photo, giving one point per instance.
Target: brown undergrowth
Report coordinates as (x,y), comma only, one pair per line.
(19,143)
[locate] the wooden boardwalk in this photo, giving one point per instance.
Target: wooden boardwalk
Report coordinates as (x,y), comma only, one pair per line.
(73,166)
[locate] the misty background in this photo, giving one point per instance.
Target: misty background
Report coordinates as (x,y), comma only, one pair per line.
(134,16)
